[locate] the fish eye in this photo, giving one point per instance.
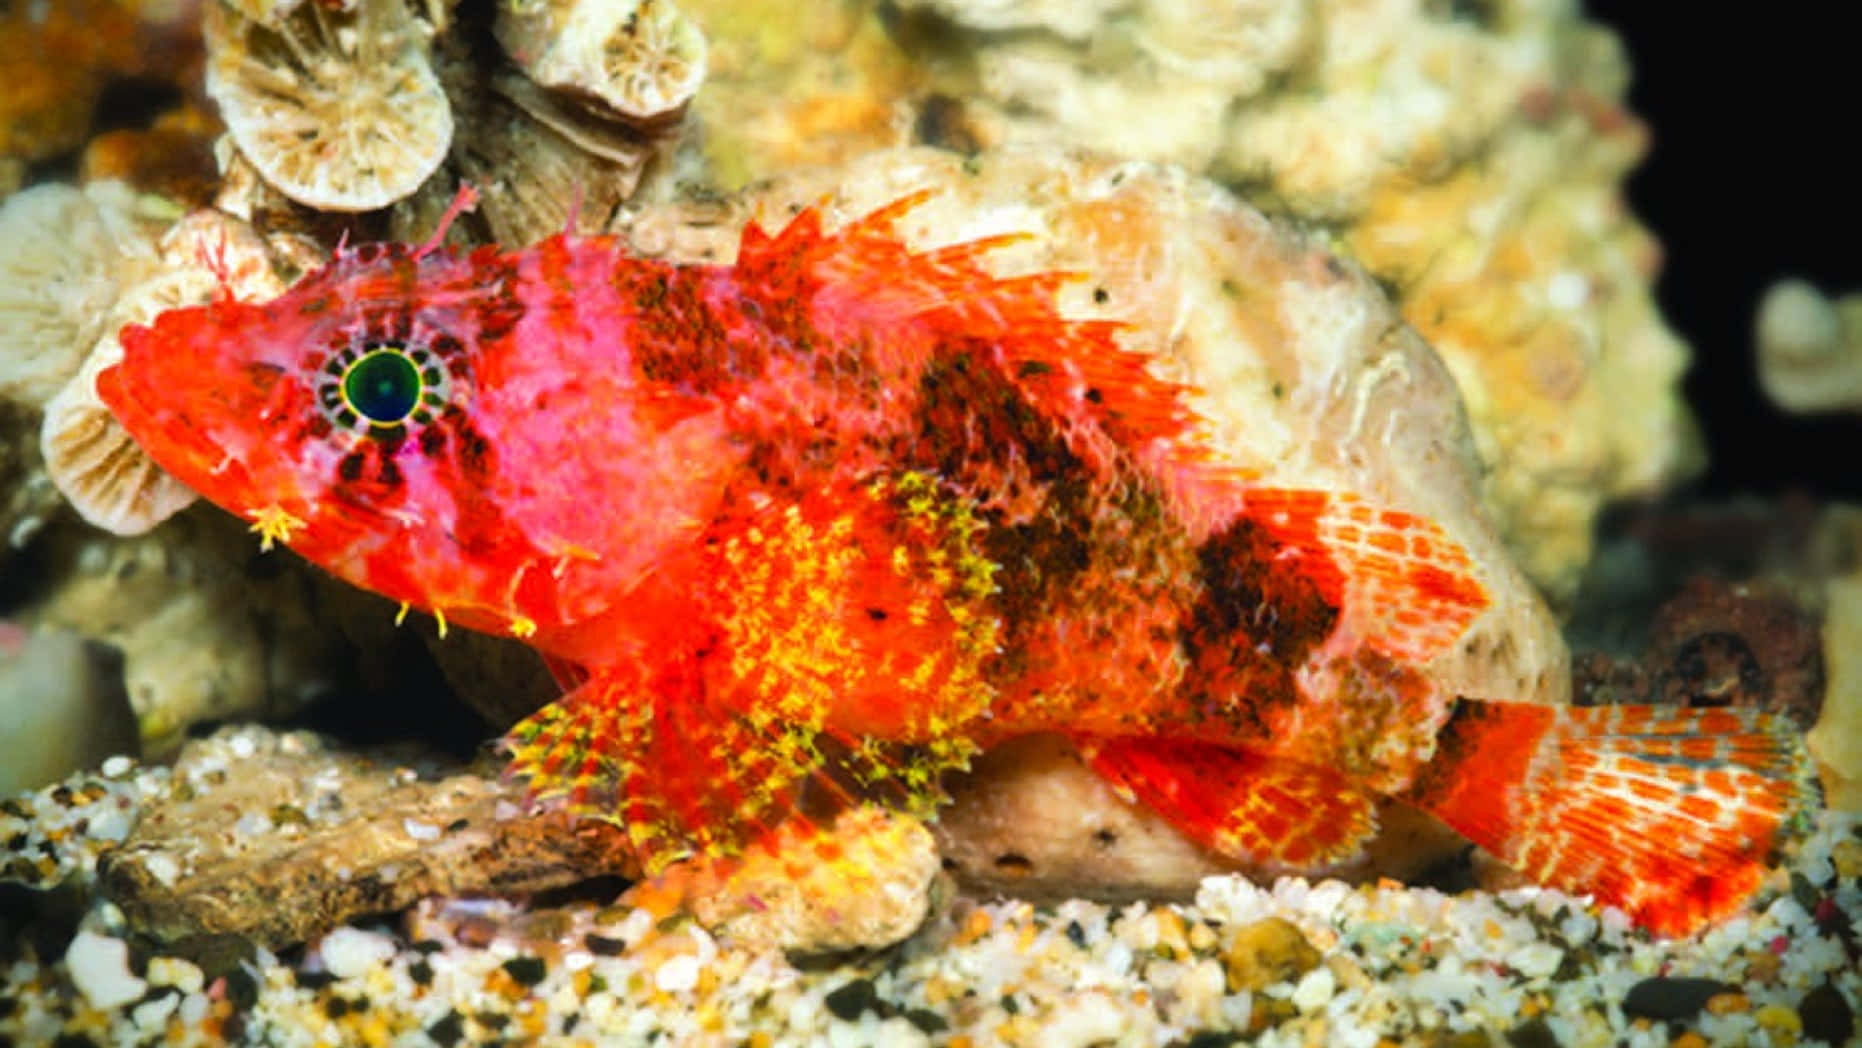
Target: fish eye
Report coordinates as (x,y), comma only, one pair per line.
(382,386)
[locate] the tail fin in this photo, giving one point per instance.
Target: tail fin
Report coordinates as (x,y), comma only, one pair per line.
(1668,813)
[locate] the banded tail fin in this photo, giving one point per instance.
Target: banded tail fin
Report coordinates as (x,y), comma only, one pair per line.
(1669,813)
(1239,802)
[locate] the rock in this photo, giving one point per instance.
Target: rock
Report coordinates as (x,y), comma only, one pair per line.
(1836,740)
(62,707)
(274,838)
(1663,997)
(1826,1016)
(1267,952)
(1739,644)
(1031,820)
(99,967)
(208,628)
(865,884)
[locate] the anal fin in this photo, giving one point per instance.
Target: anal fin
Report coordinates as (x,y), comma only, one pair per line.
(1669,813)
(1240,802)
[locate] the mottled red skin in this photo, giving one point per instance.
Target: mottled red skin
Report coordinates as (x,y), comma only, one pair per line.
(840,512)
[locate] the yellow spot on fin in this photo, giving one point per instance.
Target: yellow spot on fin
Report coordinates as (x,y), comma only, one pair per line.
(400,614)
(523,627)
(439,618)
(273,524)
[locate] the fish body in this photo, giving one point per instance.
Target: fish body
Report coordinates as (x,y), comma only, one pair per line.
(819,523)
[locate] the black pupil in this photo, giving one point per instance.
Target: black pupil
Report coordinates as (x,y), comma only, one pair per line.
(383,386)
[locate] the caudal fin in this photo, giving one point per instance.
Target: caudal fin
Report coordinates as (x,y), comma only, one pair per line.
(1669,813)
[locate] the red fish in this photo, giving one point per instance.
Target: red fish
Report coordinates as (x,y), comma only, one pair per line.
(820,523)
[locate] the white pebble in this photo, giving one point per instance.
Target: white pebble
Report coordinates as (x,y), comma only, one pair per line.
(178,972)
(163,867)
(421,831)
(1314,989)
(1535,960)
(1085,1019)
(1567,290)
(349,952)
(1324,898)
(898,1032)
(99,967)
(634,926)
(116,767)
(1117,958)
(1578,928)
(152,1016)
(252,824)
(678,975)
(193,1009)
(243,746)
(110,824)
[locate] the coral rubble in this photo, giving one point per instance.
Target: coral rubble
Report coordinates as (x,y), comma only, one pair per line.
(339,108)
(1810,348)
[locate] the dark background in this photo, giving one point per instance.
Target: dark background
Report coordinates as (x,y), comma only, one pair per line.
(1752,175)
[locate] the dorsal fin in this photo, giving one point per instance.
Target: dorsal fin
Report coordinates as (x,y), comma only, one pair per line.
(864,278)
(1404,587)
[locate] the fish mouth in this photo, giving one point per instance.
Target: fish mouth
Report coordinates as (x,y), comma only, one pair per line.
(165,427)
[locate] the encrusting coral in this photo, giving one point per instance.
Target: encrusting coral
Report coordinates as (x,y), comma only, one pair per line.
(104,474)
(65,255)
(641,60)
(339,108)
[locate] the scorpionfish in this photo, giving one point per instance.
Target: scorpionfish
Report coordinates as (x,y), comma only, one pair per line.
(814,526)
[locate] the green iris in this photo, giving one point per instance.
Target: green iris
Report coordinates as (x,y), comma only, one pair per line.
(383,386)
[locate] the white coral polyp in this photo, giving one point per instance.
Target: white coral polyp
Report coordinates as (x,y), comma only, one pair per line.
(643,59)
(65,253)
(339,112)
(102,472)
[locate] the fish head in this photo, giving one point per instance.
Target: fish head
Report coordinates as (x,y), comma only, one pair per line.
(424,424)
